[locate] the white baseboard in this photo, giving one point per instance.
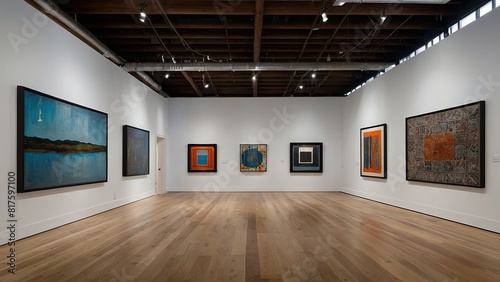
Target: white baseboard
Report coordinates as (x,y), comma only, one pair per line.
(44,225)
(247,190)
(468,219)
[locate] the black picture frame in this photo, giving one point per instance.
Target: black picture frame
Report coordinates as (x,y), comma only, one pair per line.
(447,146)
(373,151)
(59,143)
(202,157)
(306,157)
(135,151)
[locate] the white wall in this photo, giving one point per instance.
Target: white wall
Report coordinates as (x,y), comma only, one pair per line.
(37,53)
(449,74)
(229,122)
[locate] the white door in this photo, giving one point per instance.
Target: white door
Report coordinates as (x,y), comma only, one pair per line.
(160,165)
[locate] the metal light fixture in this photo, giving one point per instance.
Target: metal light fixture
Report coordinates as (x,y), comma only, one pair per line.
(142,13)
(323,14)
(205,84)
(383,17)
(167,75)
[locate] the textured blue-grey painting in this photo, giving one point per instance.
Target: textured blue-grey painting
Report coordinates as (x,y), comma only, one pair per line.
(136,151)
(64,144)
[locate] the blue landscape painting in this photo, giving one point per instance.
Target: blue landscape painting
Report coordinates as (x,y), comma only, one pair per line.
(64,144)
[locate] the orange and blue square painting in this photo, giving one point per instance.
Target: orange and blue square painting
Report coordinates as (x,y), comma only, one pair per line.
(202,157)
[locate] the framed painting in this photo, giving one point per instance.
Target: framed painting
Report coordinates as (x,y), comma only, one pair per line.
(306,157)
(253,157)
(135,151)
(447,146)
(59,143)
(202,157)
(373,153)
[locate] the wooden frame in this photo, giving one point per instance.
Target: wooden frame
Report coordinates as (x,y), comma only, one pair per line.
(373,151)
(306,157)
(59,143)
(135,151)
(202,157)
(253,157)
(447,146)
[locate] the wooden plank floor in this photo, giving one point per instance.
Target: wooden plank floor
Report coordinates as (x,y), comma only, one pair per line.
(258,237)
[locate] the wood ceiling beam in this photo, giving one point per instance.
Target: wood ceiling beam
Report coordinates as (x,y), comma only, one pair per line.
(190,80)
(267,35)
(330,25)
(197,7)
(248,43)
(246,49)
(274,36)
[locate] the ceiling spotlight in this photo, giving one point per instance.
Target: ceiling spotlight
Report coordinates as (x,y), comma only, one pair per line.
(313,75)
(173,60)
(167,75)
(301,86)
(323,12)
(254,77)
(323,15)
(383,17)
(338,3)
(142,13)
(204,83)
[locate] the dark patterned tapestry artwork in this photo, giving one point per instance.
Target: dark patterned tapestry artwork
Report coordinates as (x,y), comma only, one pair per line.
(447,146)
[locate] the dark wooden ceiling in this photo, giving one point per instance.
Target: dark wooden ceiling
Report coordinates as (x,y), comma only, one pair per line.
(262,31)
